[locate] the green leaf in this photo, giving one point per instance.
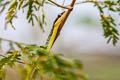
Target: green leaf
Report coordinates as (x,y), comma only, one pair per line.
(13,4)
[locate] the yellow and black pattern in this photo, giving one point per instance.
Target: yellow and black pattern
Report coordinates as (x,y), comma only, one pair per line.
(55,30)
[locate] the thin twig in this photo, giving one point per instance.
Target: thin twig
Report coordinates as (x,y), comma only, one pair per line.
(2,9)
(2,55)
(95,2)
(21,62)
(63,2)
(32,73)
(67,14)
(14,41)
(59,5)
(4,6)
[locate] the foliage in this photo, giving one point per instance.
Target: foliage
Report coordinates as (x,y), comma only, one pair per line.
(108,22)
(32,5)
(38,63)
(35,62)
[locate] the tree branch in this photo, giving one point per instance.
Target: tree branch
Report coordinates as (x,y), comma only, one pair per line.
(59,5)
(65,18)
(95,2)
(67,14)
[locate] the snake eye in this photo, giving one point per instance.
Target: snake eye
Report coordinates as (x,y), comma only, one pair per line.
(59,15)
